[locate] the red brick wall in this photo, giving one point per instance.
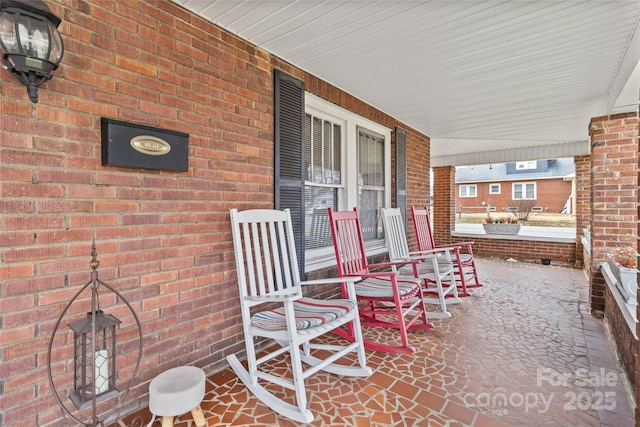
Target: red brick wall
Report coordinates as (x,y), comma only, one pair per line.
(163,238)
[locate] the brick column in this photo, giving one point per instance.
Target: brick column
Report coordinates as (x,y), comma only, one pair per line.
(444,210)
(614,180)
(583,204)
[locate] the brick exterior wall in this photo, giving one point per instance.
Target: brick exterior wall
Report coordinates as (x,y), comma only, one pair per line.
(552,195)
(163,238)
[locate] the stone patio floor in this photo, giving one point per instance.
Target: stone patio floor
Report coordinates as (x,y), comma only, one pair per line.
(523,350)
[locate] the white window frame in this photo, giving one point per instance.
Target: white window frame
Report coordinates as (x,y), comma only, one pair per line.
(466,188)
(524,192)
(499,190)
(348,191)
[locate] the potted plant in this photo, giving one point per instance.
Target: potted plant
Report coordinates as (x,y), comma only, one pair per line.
(623,263)
(501,225)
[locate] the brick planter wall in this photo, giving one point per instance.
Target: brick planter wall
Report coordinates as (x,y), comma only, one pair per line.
(624,340)
(522,250)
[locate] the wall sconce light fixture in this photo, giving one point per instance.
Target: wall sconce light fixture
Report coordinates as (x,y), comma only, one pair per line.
(31,44)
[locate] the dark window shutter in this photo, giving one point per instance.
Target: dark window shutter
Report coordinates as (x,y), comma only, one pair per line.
(289,153)
(401,173)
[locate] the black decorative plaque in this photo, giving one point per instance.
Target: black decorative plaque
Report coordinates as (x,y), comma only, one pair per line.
(132,145)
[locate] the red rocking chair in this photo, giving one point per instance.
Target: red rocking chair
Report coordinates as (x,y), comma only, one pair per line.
(392,301)
(464,263)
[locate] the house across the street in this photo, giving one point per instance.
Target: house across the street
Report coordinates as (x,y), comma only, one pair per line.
(541,185)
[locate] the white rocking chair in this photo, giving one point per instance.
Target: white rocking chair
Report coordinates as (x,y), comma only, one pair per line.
(430,266)
(268,275)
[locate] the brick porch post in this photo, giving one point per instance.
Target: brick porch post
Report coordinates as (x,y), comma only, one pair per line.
(444,198)
(614,180)
(583,204)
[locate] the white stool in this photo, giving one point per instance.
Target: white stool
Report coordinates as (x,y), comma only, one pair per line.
(175,392)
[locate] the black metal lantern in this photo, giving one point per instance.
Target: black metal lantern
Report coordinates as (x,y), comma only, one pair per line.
(94,339)
(31,44)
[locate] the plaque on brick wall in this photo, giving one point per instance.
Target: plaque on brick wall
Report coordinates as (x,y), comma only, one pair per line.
(132,145)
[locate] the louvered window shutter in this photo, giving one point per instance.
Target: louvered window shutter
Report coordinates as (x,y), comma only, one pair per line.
(401,173)
(289,153)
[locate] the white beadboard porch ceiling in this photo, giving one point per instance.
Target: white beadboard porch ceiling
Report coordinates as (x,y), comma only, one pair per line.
(488,81)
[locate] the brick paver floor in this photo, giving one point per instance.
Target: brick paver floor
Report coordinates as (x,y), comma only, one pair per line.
(521,351)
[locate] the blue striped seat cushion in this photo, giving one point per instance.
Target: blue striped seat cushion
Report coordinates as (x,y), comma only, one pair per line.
(374,287)
(309,313)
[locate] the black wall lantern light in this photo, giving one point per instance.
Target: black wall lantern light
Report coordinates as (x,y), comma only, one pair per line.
(31,44)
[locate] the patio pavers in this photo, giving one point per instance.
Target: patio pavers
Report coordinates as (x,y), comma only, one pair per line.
(521,351)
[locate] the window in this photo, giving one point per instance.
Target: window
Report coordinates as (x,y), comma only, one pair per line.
(494,189)
(537,209)
(468,190)
(526,165)
(323,176)
(524,191)
(370,183)
(333,137)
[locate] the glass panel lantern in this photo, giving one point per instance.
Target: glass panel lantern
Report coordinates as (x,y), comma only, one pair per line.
(94,367)
(30,42)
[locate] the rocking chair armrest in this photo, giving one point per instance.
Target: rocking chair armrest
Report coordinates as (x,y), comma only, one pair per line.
(330,280)
(380,274)
(453,245)
(428,252)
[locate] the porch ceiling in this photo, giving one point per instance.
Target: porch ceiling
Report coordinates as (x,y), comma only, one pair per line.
(488,81)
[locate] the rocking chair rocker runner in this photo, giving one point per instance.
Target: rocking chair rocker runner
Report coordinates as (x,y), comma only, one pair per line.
(268,276)
(430,266)
(392,301)
(464,263)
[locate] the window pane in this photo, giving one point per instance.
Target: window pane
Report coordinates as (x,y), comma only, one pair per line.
(337,157)
(307,147)
(370,159)
(317,229)
(517,191)
(531,192)
(370,202)
(370,184)
(322,163)
(322,151)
